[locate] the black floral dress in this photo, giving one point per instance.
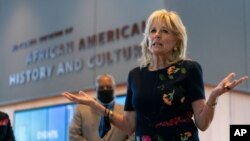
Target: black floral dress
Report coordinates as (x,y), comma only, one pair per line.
(162,101)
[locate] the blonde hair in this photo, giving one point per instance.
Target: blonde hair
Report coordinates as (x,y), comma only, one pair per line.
(172,21)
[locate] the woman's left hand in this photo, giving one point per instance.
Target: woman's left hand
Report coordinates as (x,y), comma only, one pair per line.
(227,84)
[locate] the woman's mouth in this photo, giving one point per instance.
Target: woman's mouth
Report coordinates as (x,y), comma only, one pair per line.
(157,44)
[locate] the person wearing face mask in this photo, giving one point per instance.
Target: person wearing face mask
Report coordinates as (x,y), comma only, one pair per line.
(6,131)
(88,125)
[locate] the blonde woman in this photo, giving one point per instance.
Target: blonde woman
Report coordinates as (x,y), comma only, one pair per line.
(166,91)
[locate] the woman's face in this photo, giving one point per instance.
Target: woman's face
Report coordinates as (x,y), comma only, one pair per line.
(161,39)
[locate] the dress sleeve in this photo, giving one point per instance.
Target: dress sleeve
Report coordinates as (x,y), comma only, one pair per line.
(195,84)
(128,102)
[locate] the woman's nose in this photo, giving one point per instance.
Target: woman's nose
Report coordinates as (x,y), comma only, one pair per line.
(157,34)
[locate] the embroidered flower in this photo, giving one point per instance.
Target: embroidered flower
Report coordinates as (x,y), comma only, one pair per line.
(146,138)
(185,136)
(168,98)
(183,70)
(172,70)
(162,77)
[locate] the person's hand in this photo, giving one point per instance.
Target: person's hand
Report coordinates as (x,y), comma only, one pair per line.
(228,83)
(81,97)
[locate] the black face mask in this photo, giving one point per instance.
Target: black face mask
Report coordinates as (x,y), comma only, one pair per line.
(105,96)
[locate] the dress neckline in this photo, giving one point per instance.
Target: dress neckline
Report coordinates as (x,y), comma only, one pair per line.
(164,68)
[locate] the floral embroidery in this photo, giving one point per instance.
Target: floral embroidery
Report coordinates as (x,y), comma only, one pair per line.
(162,77)
(170,73)
(146,138)
(183,71)
(175,121)
(168,98)
(171,95)
(185,136)
(172,70)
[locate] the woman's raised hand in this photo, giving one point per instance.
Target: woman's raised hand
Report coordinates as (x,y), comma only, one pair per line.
(81,97)
(228,83)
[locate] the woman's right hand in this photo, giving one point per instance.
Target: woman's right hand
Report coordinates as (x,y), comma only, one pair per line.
(80,98)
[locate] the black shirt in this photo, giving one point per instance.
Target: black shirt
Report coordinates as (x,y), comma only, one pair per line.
(162,100)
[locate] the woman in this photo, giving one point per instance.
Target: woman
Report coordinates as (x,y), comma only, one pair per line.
(6,131)
(167,90)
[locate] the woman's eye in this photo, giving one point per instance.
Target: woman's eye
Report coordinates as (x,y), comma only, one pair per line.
(165,31)
(152,31)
